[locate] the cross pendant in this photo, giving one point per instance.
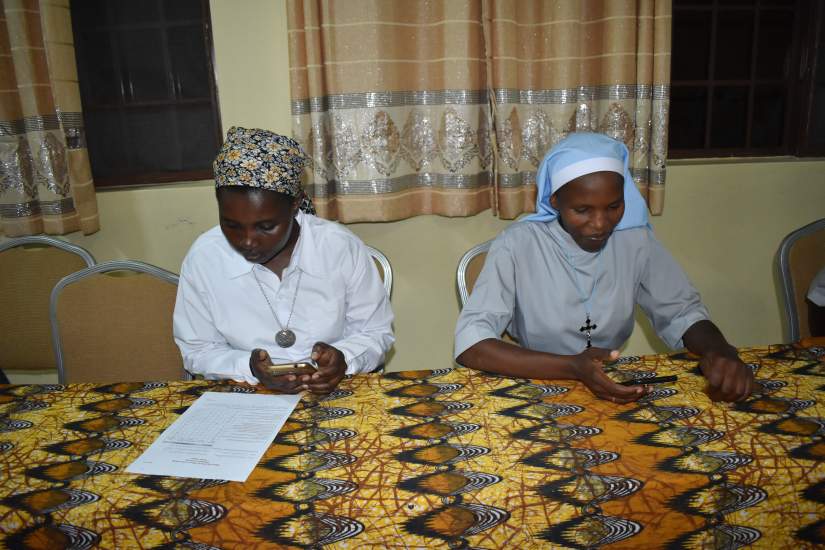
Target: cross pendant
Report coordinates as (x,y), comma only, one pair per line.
(587,329)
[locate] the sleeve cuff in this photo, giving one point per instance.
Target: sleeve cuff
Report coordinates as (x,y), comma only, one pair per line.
(469,336)
(678,327)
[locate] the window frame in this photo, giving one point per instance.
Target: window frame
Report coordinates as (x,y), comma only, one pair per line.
(147,178)
(798,82)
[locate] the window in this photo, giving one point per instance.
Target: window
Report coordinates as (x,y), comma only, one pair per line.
(148,89)
(745,78)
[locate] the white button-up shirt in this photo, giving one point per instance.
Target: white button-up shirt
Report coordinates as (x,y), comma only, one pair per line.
(221,314)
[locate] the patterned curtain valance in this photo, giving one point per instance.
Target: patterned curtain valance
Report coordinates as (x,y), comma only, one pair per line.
(447,108)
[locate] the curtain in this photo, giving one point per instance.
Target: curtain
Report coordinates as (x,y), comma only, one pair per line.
(447,107)
(565,66)
(45,176)
(390,101)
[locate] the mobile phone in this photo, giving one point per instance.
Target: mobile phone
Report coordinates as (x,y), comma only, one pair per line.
(287,368)
(646,381)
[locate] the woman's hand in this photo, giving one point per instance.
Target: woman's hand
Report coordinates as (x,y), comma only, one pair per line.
(729,379)
(588,369)
(332,366)
(283,383)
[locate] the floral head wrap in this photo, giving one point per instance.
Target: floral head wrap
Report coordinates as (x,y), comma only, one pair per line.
(261,159)
(583,153)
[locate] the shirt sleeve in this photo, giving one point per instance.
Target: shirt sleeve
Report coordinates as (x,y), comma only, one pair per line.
(489,309)
(368,332)
(204,349)
(816,292)
(667,297)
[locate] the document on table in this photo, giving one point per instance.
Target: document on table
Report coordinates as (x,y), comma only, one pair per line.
(220,436)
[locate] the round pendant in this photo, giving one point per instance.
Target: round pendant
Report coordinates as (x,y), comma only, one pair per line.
(285,338)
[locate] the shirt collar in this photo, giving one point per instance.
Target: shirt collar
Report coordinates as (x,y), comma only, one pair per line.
(304,256)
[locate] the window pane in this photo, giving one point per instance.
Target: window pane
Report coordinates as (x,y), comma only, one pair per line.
(144,65)
(99,79)
(189,63)
(153,139)
(691,45)
(768,116)
(775,36)
(135,11)
(734,36)
(687,117)
(816,135)
(89,13)
(107,153)
(182,10)
(196,135)
(729,116)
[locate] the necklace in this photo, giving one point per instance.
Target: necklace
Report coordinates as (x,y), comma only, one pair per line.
(588,327)
(284,337)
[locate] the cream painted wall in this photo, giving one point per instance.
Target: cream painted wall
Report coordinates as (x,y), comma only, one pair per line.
(723,221)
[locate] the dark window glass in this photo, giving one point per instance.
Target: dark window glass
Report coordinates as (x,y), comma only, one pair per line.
(148,89)
(729,116)
(775,40)
(734,36)
(691,46)
(687,117)
(747,78)
(768,116)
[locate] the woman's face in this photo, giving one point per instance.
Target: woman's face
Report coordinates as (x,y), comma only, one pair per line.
(256,222)
(590,207)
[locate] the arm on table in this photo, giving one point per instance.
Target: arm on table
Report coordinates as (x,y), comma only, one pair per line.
(496,356)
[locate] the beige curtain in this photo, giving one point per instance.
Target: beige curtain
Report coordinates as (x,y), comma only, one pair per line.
(578,65)
(45,177)
(389,99)
(447,107)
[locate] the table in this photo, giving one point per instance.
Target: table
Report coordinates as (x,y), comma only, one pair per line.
(436,458)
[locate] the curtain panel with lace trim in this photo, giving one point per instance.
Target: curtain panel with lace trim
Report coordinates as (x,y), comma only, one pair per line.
(45,176)
(428,107)
(560,67)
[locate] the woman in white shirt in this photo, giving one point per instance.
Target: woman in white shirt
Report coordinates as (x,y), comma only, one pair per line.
(272,283)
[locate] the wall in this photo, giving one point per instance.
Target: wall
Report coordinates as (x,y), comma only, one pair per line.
(723,221)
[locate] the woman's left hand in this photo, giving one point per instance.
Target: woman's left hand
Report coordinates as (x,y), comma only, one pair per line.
(332,366)
(729,379)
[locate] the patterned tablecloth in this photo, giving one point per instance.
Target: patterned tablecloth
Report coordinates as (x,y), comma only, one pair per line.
(436,458)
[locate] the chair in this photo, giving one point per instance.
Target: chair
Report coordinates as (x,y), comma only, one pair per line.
(801,255)
(384,268)
(29,269)
(112,322)
(469,268)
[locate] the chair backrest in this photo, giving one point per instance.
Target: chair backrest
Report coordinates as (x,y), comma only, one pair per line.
(112,322)
(801,255)
(469,268)
(384,268)
(29,269)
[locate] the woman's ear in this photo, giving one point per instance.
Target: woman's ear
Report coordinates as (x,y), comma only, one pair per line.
(554,201)
(296,203)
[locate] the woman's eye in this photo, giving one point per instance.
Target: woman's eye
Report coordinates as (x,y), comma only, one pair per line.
(580,210)
(266,227)
(615,206)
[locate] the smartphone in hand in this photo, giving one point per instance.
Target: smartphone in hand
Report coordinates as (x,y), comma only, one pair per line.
(305,366)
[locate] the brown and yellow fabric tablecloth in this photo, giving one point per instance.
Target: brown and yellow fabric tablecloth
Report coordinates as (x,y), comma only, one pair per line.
(436,458)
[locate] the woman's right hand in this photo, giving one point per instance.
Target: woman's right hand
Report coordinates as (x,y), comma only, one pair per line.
(283,383)
(588,368)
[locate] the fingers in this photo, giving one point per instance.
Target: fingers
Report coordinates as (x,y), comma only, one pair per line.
(605,388)
(728,379)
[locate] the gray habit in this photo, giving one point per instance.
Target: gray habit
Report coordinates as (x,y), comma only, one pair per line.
(528,287)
